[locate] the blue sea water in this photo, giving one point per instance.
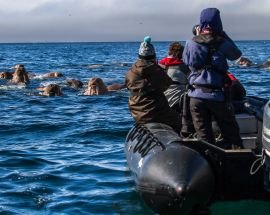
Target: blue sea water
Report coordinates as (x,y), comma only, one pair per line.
(65,155)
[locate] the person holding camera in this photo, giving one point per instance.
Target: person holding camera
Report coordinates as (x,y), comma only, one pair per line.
(206,55)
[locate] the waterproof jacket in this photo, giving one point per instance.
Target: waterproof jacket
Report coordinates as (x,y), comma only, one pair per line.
(206,56)
(178,72)
(147,81)
(237,90)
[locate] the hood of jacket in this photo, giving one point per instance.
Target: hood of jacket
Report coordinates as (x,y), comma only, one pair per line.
(210,18)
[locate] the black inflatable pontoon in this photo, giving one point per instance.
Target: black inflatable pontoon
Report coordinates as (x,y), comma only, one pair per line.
(185,176)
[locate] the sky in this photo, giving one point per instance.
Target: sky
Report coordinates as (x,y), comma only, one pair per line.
(126,20)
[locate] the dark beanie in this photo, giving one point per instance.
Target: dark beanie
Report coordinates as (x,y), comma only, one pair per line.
(210,18)
(147,50)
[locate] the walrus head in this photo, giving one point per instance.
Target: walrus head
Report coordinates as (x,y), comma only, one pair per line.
(75,83)
(52,90)
(243,61)
(53,75)
(267,64)
(20,75)
(6,75)
(96,86)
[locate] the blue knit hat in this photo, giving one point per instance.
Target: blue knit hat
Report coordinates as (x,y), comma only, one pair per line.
(210,18)
(147,50)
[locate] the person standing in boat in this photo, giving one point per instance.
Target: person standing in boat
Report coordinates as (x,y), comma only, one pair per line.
(206,55)
(178,72)
(146,82)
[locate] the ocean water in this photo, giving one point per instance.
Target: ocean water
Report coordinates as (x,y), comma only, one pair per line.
(65,155)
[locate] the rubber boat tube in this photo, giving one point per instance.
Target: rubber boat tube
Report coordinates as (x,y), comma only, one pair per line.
(170,177)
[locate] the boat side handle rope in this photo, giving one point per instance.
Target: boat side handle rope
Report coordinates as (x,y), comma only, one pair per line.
(261,160)
(146,140)
(132,132)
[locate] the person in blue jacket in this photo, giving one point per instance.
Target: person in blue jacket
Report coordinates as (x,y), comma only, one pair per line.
(206,54)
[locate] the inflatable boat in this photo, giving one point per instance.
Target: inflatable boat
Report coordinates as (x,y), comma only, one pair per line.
(176,175)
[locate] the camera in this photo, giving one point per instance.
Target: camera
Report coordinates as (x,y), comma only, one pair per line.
(194,29)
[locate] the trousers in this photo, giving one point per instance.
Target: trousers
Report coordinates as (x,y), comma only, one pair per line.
(202,112)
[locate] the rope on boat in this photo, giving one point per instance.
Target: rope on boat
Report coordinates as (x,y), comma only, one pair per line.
(145,140)
(261,160)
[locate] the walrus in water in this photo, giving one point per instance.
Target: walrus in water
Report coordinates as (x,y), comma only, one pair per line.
(52,75)
(243,61)
(74,83)
(266,65)
(96,86)
(6,75)
(51,90)
(20,75)
(46,75)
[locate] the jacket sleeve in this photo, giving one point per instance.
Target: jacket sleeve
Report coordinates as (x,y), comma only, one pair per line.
(229,49)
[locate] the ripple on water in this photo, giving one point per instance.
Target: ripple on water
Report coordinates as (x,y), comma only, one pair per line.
(35,198)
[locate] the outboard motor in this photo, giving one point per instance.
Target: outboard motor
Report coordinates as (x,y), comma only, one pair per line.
(266,145)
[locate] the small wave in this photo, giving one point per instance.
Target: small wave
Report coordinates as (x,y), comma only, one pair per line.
(12,87)
(51,179)
(25,163)
(32,197)
(104,133)
(94,66)
(39,77)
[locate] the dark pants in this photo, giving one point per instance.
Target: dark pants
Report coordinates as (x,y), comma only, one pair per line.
(202,112)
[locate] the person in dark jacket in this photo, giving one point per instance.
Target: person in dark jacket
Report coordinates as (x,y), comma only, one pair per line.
(237,90)
(206,55)
(146,82)
(178,72)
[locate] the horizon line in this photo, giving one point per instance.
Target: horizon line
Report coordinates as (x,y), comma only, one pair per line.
(158,41)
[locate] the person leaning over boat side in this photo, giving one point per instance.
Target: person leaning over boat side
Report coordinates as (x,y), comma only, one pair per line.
(206,55)
(146,82)
(177,71)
